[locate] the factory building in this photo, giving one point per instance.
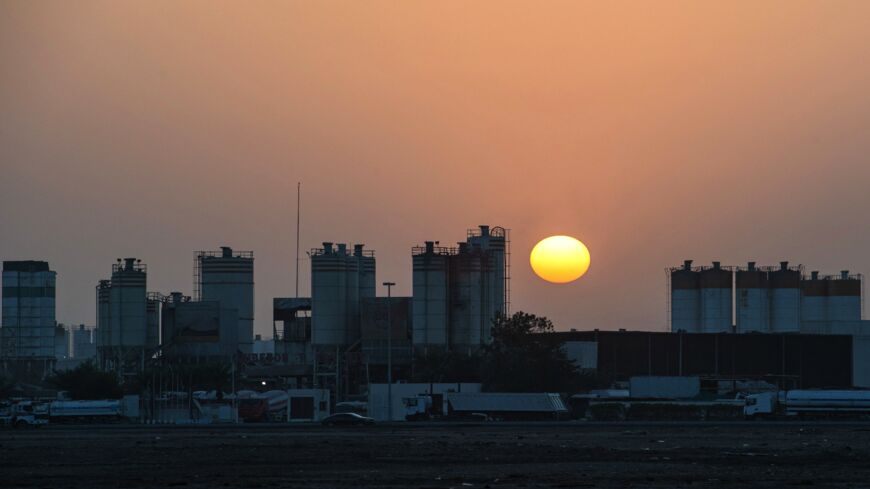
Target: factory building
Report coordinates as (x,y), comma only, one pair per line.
(126,330)
(457,292)
(779,299)
(27,331)
(787,360)
(227,277)
(83,345)
(198,331)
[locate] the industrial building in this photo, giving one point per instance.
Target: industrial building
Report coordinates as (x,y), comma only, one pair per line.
(778,299)
(128,328)
(783,359)
(227,277)
(457,292)
(340,281)
(27,331)
(198,331)
(83,344)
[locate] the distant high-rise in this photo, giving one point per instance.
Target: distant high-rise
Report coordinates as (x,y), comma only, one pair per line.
(28,324)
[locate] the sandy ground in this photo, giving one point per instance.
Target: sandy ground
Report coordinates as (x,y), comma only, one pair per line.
(493,455)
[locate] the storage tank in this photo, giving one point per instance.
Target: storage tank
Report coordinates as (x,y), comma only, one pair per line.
(814,297)
(152,312)
(685,298)
(716,299)
(328,296)
(492,242)
(127,312)
(430,304)
(844,297)
(366,265)
(466,315)
(753,300)
(228,277)
(785,300)
(352,292)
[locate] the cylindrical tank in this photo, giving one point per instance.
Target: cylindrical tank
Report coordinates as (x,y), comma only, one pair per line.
(430,304)
(352,299)
(127,314)
(785,299)
(685,298)
(716,299)
(492,244)
(814,298)
(103,332)
(228,278)
(466,315)
(753,300)
(152,334)
(328,296)
(844,297)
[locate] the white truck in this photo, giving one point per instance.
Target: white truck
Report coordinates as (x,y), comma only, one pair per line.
(808,403)
(24,414)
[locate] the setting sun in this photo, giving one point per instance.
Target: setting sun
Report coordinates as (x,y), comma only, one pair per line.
(560,259)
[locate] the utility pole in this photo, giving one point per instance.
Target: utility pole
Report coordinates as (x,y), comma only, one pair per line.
(389,286)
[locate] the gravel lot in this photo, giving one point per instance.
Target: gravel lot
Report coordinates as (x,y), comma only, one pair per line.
(431,455)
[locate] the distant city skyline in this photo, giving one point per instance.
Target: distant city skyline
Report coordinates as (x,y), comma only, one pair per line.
(652,132)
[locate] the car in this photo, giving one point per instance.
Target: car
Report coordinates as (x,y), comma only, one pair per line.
(347,419)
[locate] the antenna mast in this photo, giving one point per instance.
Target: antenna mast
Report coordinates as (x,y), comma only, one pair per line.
(298,203)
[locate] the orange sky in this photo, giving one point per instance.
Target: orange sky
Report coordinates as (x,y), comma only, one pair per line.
(652,131)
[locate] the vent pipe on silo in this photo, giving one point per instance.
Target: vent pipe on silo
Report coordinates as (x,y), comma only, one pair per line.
(783,265)
(430,247)
(687,265)
(327,247)
(342,249)
(844,274)
(750,266)
(128,263)
(357,250)
(814,274)
(717,265)
(484,230)
(226,252)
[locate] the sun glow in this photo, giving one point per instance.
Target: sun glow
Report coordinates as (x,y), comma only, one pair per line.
(560,259)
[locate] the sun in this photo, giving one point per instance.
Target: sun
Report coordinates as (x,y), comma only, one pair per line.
(560,259)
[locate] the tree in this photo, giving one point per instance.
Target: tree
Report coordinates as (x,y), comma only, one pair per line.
(523,357)
(87,382)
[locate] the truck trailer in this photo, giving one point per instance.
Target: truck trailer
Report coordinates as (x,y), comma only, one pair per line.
(808,403)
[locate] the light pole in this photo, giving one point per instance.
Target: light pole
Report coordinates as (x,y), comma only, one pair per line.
(389,286)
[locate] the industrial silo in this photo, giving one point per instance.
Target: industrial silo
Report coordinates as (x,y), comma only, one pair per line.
(685,298)
(127,311)
(103,332)
(785,299)
(430,288)
(814,298)
(228,277)
(844,297)
(492,244)
(366,265)
(466,300)
(351,290)
(152,311)
(753,300)
(328,296)
(716,299)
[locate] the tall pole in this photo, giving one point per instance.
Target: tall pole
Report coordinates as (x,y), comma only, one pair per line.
(389,286)
(298,212)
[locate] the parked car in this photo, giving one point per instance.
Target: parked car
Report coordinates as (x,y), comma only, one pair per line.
(347,419)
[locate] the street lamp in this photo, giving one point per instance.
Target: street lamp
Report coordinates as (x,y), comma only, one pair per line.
(389,286)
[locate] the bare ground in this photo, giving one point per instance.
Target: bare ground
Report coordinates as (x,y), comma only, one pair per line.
(494,455)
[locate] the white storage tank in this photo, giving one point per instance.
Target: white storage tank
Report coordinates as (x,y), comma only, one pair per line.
(844,297)
(227,276)
(716,299)
(814,298)
(492,243)
(685,298)
(785,299)
(430,305)
(753,300)
(127,311)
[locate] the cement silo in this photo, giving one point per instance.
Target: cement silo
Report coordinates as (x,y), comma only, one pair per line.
(430,302)
(785,299)
(228,277)
(339,282)
(716,299)
(753,300)
(685,304)
(492,243)
(814,298)
(467,296)
(127,311)
(844,297)
(153,302)
(103,313)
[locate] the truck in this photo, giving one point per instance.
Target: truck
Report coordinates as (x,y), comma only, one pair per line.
(24,414)
(808,403)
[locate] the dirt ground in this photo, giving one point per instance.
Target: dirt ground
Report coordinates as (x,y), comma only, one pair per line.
(493,455)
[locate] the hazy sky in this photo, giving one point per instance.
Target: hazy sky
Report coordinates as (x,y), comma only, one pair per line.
(652,131)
